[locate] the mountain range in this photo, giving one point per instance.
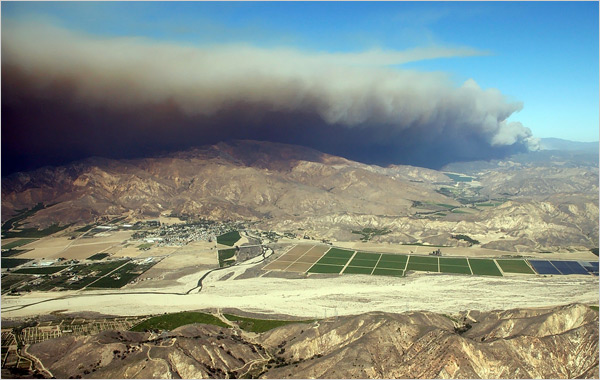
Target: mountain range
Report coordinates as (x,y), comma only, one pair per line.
(519,203)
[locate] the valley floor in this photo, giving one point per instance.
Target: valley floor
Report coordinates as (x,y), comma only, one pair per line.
(317,296)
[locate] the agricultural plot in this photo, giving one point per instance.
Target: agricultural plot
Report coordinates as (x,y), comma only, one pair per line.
(456,265)
(121,276)
(423,263)
(300,258)
(333,261)
(172,321)
(485,267)
(340,253)
(259,325)
(229,238)
(357,270)
(226,257)
(11,263)
(10,282)
(569,267)
(40,270)
(98,256)
(392,261)
(514,266)
(388,272)
(544,267)
(17,243)
(324,268)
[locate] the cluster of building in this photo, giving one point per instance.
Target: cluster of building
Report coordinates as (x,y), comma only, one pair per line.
(183,234)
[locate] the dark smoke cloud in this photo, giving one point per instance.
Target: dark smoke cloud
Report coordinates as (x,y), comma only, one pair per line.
(67,96)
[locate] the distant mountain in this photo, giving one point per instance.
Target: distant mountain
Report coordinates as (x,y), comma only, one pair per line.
(547,204)
(560,342)
(560,144)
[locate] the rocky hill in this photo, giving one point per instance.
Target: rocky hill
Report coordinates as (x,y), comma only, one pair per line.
(559,342)
(543,206)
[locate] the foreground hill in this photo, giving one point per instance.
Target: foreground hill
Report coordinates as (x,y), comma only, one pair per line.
(560,342)
(547,205)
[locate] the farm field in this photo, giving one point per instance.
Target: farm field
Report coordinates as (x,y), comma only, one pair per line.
(423,263)
(485,267)
(229,238)
(323,268)
(305,258)
(388,272)
(454,265)
(357,270)
(172,321)
(55,247)
(259,325)
(11,263)
(17,243)
(226,257)
(514,266)
(40,270)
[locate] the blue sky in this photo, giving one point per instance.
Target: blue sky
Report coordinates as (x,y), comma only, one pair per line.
(544,54)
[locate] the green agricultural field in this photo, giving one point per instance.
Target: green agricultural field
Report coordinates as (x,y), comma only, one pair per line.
(172,321)
(423,263)
(34,232)
(259,325)
(145,245)
(367,256)
(9,281)
(395,260)
(391,264)
(454,265)
(230,238)
(226,255)
(340,253)
(122,275)
(40,270)
(431,260)
(332,261)
(363,263)
(459,269)
(388,272)
(515,266)
(97,269)
(461,261)
(357,270)
(322,268)
(11,263)
(98,256)
(17,243)
(484,267)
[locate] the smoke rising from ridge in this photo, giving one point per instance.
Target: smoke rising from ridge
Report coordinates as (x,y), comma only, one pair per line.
(67,96)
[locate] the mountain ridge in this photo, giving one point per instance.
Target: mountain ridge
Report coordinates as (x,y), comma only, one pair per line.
(541,205)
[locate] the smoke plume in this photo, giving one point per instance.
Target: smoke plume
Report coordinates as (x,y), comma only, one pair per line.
(67,95)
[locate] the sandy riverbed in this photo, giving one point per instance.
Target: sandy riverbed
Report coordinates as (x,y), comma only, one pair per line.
(318,297)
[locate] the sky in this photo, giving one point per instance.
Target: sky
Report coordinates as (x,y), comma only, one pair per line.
(420,83)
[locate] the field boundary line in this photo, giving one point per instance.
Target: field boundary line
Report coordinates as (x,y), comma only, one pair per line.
(348,263)
(439,269)
(469,264)
(377,263)
(499,267)
(302,255)
(406,264)
(317,260)
(277,259)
